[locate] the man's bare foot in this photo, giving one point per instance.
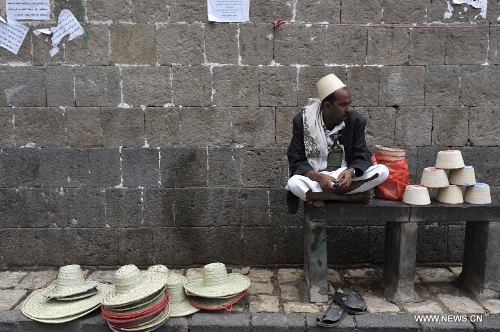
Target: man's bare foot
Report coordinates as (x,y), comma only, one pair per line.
(316,203)
(364,197)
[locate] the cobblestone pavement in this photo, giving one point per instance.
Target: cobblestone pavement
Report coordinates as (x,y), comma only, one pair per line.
(277,301)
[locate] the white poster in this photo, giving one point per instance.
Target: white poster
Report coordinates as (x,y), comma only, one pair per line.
(481,4)
(12,35)
(67,24)
(28,9)
(228,10)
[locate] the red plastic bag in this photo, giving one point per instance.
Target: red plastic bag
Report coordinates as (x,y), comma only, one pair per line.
(399,177)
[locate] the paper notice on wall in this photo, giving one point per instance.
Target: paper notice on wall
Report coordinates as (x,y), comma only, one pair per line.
(12,35)
(67,24)
(28,9)
(228,10)
(482,4)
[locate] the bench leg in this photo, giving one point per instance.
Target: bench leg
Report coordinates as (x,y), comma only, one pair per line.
(481,261)
(400,259)
(316,264)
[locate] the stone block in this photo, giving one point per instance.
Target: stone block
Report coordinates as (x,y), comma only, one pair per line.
(22,86)
(172,246)
(487,323)
(340,238)
(105,10)
(206,126)
(268,11)
(317,11)
(346,325)
(93,246)
(159,207)
(436,12)
(136,246)
(278,209)
(42,45)
(264,303)
(363,83)
(223,322)
(278,86)
(83,127)
(192,86)
(264,167)
(60,85)
(346,45)
(105,168)
(253,126)
(284,116)
(427,47)
(300,44)
(494,47)
(22,56)
(405,12)
(231,92)
(7,133)
(93,322)
(182,167)
(290,247)
(354,11)
(9,320)
(11,205)
(272,245)
(140,167)
(52,247)
(256,43)
(11,240)
(47,207)
(386,322)
(308,76)
(484,160)
(75,6)
(133,44)
(42,126)
(456,241)
(149,86)
(20,167)
(149,11)
(124,207)
(442,85)
(387,46)
(92,50)
(64,167)
(380,125)
(188,11)
(122,127)
(377,243)
(86,208)
(175,324)
(162,126)
(181,44)
(97,86)
(450,126)
(221,43)
(484,126)
(402,86)
(479,84)
(29,325)
(223,242)
(275,322)
(224,166)
(413,126)
(467,46)
(432,243)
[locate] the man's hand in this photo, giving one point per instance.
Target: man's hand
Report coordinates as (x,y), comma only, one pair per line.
(325,181)
(345,178)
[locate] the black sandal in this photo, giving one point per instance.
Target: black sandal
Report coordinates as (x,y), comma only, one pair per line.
(350,303)
(332,317)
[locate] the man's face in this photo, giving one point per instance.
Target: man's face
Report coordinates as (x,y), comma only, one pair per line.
(336,112)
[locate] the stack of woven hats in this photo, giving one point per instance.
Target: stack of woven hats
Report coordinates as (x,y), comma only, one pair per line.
(139,301)
(70,298)
(218,289)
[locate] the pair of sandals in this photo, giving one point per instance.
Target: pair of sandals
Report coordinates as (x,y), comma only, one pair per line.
(345,304)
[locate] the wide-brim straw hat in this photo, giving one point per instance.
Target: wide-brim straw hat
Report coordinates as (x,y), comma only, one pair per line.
(328,85)
(179,303)
(153,324)
(71,284)
(450,195)
(214,304)
(449,159)
(133,285)
(462,176)
(217,282)
(433,177)
(39,307)
(478,194)
(416,195)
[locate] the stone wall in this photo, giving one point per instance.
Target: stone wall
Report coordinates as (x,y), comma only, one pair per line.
(160,137)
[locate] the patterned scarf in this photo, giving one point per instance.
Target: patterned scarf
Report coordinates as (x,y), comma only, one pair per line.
(314,133)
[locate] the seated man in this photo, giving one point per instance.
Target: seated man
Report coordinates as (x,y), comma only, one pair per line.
(327,156)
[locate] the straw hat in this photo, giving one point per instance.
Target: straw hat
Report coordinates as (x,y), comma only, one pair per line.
(449,159)
(478,194)
(71,284)
(133,285)
(154,323)
(41,308)
(179,304)
(328,85)
(217,282)
(416,195)
(434,178)
(206,303)
(450,195)
(462,176)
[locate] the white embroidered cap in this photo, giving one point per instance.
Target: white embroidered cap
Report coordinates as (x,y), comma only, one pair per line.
(328,85)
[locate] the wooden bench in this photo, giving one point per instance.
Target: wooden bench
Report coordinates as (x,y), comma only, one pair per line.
(481,260)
